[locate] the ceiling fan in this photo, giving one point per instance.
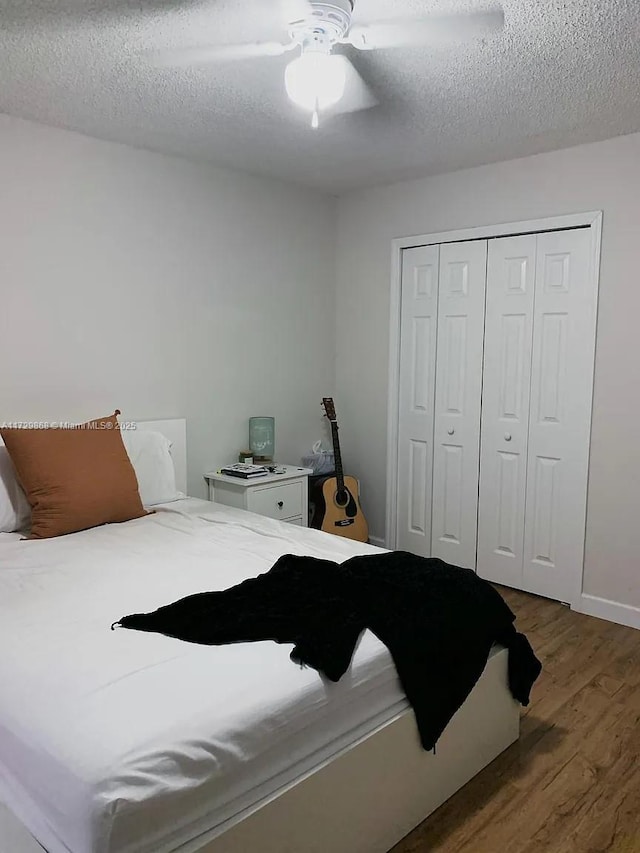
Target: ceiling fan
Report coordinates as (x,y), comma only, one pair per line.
(320,79)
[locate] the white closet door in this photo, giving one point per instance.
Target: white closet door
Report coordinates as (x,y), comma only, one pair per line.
(505,408)
(419,320)
(463,269)
(560,415)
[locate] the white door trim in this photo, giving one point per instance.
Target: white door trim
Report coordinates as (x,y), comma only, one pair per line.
(590,219)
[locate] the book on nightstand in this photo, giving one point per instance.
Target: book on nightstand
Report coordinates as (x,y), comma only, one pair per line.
(245,471)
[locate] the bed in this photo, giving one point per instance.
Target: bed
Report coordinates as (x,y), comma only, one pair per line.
(120,742)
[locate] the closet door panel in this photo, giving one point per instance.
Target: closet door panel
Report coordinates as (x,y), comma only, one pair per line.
(505,408)
(419,315)
(560,416)
(463,268)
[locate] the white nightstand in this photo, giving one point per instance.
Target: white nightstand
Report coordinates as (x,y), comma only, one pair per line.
(283,496)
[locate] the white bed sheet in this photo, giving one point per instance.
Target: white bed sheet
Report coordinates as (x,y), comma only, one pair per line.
(127,742)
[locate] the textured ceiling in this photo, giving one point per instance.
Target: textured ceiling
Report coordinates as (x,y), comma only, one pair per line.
(562,72)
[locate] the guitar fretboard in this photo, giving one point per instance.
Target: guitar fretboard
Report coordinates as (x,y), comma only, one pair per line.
(337,456)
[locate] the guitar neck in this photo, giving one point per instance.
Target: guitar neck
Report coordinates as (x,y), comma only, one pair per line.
(337,455)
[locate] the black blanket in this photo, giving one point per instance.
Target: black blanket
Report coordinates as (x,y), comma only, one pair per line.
(438,622)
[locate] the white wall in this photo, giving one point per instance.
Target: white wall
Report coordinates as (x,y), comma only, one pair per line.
(163,288)
(604,176)
(133,280)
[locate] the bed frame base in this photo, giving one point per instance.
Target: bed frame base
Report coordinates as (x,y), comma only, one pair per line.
(371,796)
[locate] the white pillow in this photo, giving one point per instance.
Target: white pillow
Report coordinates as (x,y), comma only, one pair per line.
(15,512)
(150,455)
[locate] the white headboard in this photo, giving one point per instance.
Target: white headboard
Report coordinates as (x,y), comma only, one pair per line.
(176,431)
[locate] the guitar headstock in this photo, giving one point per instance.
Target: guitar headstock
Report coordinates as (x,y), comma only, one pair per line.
(329,409)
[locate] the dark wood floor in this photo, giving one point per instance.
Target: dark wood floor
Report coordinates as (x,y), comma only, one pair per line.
(571,784)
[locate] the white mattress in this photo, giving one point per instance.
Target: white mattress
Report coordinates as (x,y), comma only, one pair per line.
(127,742)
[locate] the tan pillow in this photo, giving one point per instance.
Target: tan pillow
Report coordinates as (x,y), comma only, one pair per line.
(74,478)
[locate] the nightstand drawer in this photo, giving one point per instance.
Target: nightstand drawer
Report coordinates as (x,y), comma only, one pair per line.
(278,501)
(283,495)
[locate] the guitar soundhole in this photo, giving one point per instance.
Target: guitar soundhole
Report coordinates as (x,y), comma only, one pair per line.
(342,498)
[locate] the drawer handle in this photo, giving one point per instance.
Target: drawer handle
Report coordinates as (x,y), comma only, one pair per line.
(280,504)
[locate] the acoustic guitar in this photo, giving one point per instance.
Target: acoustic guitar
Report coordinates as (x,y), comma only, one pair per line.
(337,499)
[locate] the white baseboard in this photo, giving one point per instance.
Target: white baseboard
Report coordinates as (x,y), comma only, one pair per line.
(376,540)
(613,611)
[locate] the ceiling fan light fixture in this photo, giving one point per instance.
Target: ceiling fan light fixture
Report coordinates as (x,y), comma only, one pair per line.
(316,80)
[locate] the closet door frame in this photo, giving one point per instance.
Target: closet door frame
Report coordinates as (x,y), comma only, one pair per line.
(590,219)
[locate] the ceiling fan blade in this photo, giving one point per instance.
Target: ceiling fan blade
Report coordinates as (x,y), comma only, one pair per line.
(357,94)
(435,30)
(218,53)
(293,11)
